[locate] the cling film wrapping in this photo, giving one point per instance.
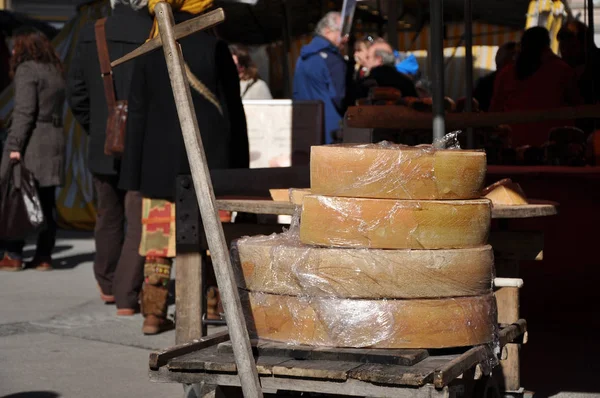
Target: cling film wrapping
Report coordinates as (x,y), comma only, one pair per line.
(394,224)
(335,322)
(392,171)
(281,264)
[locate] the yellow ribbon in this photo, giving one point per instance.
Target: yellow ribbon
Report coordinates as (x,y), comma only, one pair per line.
(189,6)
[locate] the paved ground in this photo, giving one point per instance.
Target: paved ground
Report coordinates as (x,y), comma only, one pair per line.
(58,340)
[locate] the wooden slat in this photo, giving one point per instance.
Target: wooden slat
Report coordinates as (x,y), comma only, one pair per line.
(324,370)
(257,206)
(512,332)
(401,117)
(398,375)
(451,370)
(283,208)
(205,21)
(525,211)
(362,355)
(207,202)
(158,359)
(188,297)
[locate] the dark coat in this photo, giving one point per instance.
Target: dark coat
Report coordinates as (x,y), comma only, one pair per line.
(125,31)
(386,76)
(154,150)
(39,98)
(484,90)
(321,75)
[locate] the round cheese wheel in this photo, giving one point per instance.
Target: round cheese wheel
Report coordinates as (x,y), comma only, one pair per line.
(280,264)
(334,322)
(394,224)
(390,171)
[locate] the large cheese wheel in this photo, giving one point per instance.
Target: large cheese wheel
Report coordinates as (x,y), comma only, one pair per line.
(280,264)
(394,224)
(333,322)
(389,171)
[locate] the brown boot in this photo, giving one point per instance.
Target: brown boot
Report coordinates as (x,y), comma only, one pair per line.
(10,264)
(155,325)
(155,294)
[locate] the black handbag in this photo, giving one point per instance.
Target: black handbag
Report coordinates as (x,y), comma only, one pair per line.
(20,207)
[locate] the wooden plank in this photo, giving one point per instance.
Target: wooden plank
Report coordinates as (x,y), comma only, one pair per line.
(362,355)
(512,332)
(525,211)
(320,369)
(350,387)
(451,370)
(188,298)
(507,299)
(161,358)
(205,21)
(206,202)
(402,117)
(398,375)
(257,206)
(284,208)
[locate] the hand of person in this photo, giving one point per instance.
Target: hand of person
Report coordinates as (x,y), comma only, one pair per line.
(15,156)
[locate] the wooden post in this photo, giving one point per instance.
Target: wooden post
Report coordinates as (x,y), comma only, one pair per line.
(436,58)
(392,25)
(469,68)
(206,201)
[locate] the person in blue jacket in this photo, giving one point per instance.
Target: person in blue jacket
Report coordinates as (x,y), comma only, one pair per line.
(321,72)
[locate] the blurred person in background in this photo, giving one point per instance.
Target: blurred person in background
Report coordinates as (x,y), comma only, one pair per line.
(381,63)
(252,87)
(118,267)
(321,72)
(538,79)
(155,153)
(35,136)
(484,87)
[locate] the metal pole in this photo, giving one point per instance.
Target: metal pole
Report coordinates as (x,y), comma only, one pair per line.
(207,203)
(469,67)
(392,25)
(287,44)
(436,57)
(591,47)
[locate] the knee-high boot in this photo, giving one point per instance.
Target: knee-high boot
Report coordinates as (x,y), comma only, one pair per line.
(155,294)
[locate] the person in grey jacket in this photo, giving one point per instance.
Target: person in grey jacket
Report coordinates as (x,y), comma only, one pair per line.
(118,267)
(35,136)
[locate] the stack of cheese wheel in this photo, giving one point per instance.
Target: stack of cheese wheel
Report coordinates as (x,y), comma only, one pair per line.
(391,252)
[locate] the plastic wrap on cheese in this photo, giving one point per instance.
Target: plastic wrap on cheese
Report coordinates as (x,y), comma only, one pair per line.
(281,264)
(334,322)
(391,171)
(394,224)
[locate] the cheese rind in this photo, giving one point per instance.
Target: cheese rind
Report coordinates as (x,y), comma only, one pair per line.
(333,322)
(394,224)
(280,264)
(390,171)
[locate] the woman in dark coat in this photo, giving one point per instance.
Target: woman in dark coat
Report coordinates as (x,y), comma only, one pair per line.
(154,150)
(35,137)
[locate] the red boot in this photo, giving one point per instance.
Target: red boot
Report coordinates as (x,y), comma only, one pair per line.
(10,264)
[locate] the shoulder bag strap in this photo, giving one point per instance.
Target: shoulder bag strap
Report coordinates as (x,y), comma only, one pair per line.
(105,68)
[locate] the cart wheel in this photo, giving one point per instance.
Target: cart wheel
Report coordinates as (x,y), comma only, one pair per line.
(487,387)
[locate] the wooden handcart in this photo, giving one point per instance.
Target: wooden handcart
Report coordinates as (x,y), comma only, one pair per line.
(283,369)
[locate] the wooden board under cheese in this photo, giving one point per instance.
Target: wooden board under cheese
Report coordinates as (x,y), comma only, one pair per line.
(333,322)
(394,224)
(280,264)
(391,171)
